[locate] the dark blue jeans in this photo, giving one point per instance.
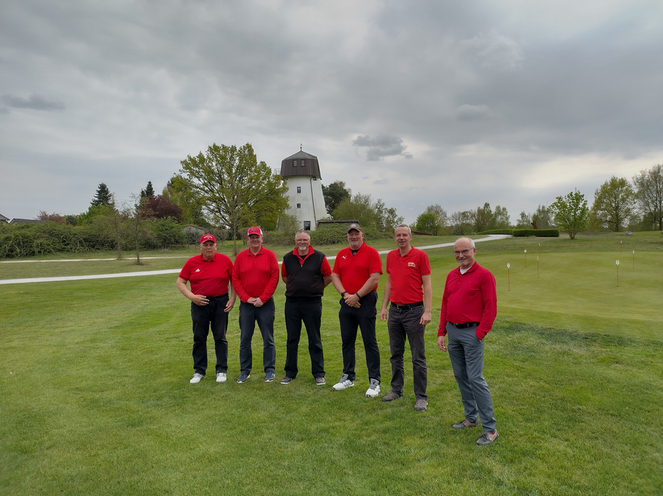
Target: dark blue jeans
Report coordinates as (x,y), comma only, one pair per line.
(308,310)
(264,316)
(203,318)
(404,324)
(364,317)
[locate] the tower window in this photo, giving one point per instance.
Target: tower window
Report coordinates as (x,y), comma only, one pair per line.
(299,205)
(307,225)
(303,163)
(294,163)
(299,189)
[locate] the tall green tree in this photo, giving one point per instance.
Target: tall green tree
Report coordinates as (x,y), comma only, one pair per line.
(148,191)
(237,189)
(483,218)
(649,194)
(370,214)
(525,221)
(462,222)
(103,196)
(427,223)
(570,212)
(542,218)
(334,194)
(180,192)
(613,203)
(501,218)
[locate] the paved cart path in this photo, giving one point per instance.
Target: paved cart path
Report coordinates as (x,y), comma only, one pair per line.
(492,237)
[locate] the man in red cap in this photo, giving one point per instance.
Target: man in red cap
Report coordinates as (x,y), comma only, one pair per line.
(255,277)
(209,276)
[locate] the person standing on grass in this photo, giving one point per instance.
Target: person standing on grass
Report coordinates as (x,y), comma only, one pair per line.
(209,276)
(306,273)
(355,276)
(469,307)
(255,277)
(408,288)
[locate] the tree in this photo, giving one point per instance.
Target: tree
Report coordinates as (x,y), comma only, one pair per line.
(160,207)
(462,222)
(334,194)
(237,190)
(427,223)
(441,218)
(525,221)
(613,203)
(501,218)
(148,191)
(570,212)
(542,218)
(483,218)
(180,192)
(57,218)
(649,184)
(103,196)
(369,214)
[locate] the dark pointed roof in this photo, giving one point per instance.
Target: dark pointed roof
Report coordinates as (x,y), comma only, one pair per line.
(300,164)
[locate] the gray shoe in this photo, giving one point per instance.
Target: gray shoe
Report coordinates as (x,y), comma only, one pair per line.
(391,396)
(196,378)
(320,381)
(269,376)
(344,383)
(374,389)
(487,438)
(286,380)
(421,405)
(465,424)
(243,377)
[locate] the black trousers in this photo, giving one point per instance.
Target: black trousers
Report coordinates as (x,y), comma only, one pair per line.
(364,317)
(309,311)
(404,324)
(203,318)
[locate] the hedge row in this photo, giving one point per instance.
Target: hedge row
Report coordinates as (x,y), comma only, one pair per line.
(539,233)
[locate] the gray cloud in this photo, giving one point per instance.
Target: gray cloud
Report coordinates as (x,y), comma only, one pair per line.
(34,102)
(381,146)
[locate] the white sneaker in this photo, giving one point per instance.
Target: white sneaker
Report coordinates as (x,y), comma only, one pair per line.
(374,389)
(344,383)
(196,378)
(221,377)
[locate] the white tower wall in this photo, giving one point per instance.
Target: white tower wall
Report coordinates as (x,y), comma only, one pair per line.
(307,202)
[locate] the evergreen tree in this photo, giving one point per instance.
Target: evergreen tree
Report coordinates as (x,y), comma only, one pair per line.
(103,196)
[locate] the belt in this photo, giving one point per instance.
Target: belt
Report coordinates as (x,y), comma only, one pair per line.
(214,297)
(408,306)
(465,325)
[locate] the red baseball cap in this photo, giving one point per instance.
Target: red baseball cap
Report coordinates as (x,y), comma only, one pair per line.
(254,230)
(207,237)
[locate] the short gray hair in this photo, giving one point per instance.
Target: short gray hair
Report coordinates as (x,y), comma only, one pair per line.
(304,231)
(468,239)
(409,231)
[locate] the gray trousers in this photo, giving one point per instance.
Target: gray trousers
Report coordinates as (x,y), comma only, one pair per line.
(402,325)
(466,355)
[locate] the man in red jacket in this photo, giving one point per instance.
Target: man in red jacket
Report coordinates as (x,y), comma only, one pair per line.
(469,307)
(255,277)
(209,275)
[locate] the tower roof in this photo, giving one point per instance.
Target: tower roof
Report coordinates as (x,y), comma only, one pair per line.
(300,164)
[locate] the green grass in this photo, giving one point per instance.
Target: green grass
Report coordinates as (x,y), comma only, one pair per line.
(95,396)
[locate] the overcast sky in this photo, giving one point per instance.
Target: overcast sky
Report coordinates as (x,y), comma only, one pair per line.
(511,102)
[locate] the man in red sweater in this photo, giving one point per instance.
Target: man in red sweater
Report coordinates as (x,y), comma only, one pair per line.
(209,275)
(469,307)
(255,277)
(355,276)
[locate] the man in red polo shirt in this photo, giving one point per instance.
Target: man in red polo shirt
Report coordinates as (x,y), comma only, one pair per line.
(355,276)
(255,277)
(469,308)
(408,288)
(209,276)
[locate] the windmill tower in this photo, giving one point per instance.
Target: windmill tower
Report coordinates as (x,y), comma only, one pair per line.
(301,173)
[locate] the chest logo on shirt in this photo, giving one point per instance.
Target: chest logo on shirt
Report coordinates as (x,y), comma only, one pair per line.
(411,264)
(197,270)
(343,257)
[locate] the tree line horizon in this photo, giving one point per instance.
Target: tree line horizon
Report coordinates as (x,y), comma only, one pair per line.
(227,188)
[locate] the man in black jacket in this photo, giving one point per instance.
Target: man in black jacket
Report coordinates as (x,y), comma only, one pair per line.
(306,273)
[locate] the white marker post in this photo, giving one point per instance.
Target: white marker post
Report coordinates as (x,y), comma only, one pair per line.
(634,259)
(537,266)
(617,263)
(620,247)
(508,277)
(525,258)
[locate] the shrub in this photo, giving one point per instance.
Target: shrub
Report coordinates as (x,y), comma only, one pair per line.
(539,233)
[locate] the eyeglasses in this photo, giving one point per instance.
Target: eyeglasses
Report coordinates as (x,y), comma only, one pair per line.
(464,252)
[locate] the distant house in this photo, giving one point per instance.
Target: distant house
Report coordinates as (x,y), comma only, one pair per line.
(28,221)
(3,219)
